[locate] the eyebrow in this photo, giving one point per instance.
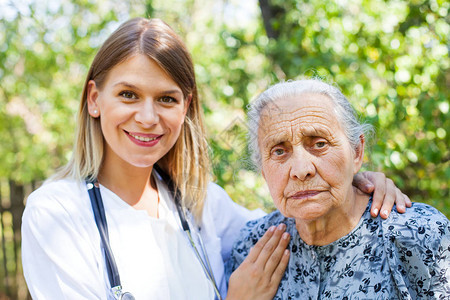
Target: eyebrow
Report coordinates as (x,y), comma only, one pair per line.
(310,131)
(316,131)
(275,139)
(132,86)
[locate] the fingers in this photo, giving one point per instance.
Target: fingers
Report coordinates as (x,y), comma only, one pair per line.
(361,182)
(389,199)
(271,246)
(392,196)
(260,278)
(385,193)
(400,202)
(278,254)
(256,250)
(407,201)
(379,196)
(281,268)
(274,257)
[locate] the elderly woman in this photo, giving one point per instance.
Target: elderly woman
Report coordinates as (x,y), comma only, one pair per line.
(309,144)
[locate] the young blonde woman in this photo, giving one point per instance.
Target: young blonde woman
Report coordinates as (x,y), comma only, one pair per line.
(133,215)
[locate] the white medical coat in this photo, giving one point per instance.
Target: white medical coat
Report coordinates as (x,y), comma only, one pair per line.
(62,256)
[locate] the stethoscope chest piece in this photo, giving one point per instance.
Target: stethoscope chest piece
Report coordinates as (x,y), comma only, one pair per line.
(100,220)
(126,296)
(121,295)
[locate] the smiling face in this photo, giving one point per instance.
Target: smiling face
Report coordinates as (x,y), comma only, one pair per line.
(141,112)
(307,161)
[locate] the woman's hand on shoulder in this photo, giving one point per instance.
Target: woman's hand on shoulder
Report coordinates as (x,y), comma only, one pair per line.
(385,193)
(259,275)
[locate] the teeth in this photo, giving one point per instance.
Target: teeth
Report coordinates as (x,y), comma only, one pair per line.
(142,139)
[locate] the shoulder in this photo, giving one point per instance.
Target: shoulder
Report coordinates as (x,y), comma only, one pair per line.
(215,192)
(62,188)
(420,219)
(249,236)
(221,207)
(57,199)
(417,244)
(422,232)
(255,229)
(216,200)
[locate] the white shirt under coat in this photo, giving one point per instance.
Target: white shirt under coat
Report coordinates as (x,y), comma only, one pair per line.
(62,256)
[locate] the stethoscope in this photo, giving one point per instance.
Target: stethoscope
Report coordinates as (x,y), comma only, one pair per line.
(111,267)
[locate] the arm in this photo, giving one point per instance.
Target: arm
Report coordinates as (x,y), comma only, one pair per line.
(58,261)
(385,193)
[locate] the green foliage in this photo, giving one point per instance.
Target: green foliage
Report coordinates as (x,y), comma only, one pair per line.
(389,57)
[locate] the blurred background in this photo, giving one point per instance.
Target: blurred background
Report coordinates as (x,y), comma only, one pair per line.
(390,57)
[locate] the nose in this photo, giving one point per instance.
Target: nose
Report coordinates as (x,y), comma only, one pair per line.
(147,114)
(302,164)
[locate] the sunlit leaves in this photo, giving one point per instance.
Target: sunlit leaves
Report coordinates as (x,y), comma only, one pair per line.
(389,57)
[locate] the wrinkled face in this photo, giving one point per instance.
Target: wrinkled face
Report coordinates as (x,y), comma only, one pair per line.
(141,111)
(307,160)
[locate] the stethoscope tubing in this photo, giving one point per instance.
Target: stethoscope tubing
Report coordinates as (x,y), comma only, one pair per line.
(186,228)
(100,220)
(206,267)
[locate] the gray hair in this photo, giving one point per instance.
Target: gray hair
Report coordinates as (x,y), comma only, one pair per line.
(345,113)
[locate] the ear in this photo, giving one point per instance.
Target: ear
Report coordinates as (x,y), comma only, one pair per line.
(92,98)
(359,154)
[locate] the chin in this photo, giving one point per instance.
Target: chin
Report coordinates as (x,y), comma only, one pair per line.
(143,166)
(309,212)
(143,163)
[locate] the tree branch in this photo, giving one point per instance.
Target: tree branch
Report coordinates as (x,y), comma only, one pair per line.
(269,13)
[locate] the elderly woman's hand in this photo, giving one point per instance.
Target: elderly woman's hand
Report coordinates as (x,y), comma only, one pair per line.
(385,193)
(259,275)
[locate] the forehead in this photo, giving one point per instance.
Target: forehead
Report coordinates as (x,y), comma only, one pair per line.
(140,70)
(307,113)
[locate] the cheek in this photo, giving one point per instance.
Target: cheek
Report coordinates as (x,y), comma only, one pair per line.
(111,117)
(175,127)
(175,118)
(276,181)
(336,169)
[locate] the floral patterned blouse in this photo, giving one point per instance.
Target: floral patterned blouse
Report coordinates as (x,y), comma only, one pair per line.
(406,256)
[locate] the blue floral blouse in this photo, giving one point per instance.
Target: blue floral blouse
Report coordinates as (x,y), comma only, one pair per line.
(406,256)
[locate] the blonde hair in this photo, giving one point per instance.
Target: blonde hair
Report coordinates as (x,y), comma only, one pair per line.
(187,163)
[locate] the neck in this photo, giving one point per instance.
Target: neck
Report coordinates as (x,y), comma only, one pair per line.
(339,222)
(132,184)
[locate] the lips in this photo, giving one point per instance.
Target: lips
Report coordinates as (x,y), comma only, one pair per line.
(305,194)
(144,139)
